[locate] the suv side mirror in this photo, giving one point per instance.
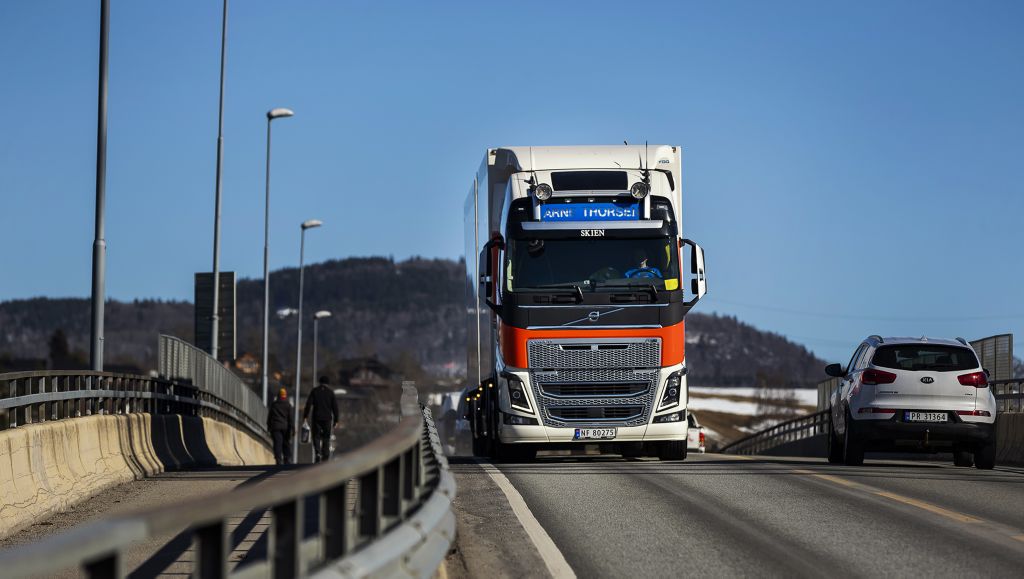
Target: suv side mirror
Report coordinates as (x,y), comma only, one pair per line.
(835,370)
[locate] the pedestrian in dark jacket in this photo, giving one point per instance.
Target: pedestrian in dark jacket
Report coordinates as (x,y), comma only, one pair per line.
(281,424)
(322,406)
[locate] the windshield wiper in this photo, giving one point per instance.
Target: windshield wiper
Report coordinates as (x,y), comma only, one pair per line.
(636,286)
(554,286)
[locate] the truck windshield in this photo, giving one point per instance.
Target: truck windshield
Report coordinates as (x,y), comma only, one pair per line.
(592,264)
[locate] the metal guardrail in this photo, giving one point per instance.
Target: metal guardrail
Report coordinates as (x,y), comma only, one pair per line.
(180,361)
(789,431)
(382,510)
(33,397)
(1009,394)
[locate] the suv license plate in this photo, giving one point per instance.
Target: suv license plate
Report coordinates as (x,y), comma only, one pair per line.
(925,417)
(593,433)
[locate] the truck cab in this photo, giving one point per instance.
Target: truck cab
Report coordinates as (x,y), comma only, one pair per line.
(577,300)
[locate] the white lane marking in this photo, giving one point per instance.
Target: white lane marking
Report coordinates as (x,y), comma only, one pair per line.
(553,558)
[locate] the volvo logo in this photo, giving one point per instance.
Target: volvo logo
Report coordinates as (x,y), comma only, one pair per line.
(594,316)
(927,379)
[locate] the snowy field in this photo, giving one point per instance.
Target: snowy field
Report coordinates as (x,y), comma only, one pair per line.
(722,405)
(804,396)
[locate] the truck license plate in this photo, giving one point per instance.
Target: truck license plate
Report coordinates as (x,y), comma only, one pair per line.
(594,433)
(925,417)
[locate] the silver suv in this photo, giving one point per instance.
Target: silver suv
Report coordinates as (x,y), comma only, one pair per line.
(912,394)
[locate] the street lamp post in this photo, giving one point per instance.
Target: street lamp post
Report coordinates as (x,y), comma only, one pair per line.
(271,115)
(215,319)
(316,323)
(298,349)
(99,244)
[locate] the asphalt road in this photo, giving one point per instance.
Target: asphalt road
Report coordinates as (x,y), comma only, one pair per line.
(728,516)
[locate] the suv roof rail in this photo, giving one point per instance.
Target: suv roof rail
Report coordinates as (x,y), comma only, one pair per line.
(962,341)
(877,338)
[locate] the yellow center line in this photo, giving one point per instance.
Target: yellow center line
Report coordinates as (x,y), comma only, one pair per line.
(929,507)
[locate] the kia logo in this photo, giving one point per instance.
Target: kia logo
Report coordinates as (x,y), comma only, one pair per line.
(927,379)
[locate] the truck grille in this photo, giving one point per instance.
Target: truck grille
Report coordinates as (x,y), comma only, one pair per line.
(598,389)
(592,413)
(595,353)
(605,382)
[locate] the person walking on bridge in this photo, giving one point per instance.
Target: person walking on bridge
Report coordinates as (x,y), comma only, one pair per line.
(323,406)
(281,424)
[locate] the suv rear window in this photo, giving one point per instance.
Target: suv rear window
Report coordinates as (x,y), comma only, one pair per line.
(925,357)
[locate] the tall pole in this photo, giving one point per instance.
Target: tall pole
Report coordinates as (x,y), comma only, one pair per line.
(298,353)
(99,244)
(215,318)
(316,327)
(316,324)
(266,270)
(271,115)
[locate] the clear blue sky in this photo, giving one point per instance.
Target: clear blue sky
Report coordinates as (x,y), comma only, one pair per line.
(849,169)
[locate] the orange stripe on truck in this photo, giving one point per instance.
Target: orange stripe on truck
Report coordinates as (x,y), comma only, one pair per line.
(513,340)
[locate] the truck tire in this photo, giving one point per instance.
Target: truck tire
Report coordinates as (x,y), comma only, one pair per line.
(853,446)
(833,446)
(631,449)
(479,446)
(514,452)
(672,450)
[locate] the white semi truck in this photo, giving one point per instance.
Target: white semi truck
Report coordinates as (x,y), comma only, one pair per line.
(576,301)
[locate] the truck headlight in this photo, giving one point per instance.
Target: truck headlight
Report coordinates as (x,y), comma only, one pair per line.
(517,394)
(542,192)
(673,389)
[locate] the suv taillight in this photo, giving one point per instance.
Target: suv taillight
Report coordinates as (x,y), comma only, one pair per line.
(872,377)
(976,379)
(701,439)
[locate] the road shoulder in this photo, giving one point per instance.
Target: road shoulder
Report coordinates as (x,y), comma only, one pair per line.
(491,542)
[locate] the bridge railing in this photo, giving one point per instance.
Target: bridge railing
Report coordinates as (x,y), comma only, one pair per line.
(180,361)
(784,432)
(33,397)
(382,510)
(1009,394)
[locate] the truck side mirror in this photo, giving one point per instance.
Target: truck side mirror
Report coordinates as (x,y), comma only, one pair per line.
(835,370)
(699,283)
(490,250)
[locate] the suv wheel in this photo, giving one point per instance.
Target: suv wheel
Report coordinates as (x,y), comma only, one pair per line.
(672,450)
(853,446)
(985,456)
(962,458)
(833,446)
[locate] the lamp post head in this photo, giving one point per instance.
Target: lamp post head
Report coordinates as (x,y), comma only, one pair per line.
(279,113)
(322,314)
(285,312)
(311,224)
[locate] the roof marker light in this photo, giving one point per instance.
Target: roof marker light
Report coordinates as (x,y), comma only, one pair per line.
(542,192)
(639,190)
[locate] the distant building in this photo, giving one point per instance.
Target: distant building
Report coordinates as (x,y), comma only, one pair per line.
(364,372)
(248,364)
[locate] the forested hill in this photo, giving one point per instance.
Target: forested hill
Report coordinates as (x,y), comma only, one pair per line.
(402,312)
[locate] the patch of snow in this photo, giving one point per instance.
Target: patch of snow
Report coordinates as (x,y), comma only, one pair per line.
(722,405)
(804,396)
